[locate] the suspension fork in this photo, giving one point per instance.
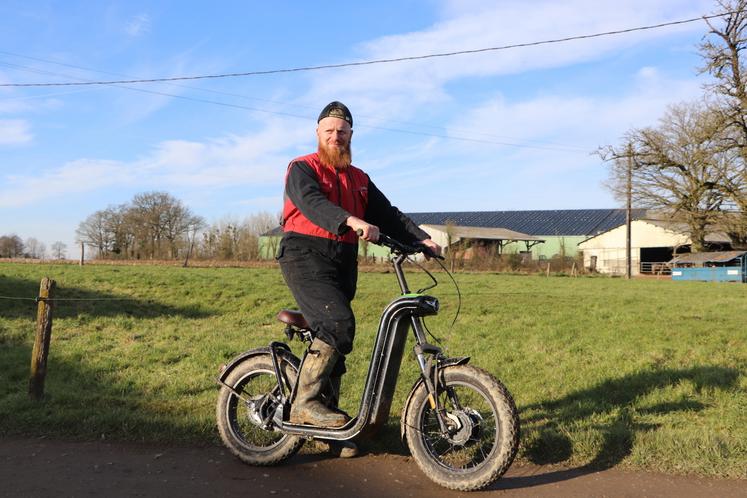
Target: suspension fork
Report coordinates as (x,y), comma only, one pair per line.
(429,370)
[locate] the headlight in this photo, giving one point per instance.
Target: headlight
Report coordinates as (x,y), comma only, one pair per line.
(433,303)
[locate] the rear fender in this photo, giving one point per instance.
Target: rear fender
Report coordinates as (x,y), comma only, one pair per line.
(226,369)
(448,362)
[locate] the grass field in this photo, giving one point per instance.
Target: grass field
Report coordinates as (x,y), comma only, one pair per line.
(647,374)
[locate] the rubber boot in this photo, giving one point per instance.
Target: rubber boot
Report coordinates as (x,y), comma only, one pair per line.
(307,407)
(342,449)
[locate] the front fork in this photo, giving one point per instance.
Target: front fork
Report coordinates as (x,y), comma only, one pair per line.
(429,370)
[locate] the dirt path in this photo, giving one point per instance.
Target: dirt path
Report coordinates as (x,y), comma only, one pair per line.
(43,468)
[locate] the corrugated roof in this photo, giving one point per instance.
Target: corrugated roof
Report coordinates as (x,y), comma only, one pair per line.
(486,233)
(708,257)
(568,222)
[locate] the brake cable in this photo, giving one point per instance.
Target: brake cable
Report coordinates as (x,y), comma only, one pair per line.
(435,283)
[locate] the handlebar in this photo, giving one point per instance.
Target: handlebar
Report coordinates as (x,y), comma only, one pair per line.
(402,248)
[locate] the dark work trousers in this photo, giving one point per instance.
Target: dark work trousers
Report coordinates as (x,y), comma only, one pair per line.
(322,275)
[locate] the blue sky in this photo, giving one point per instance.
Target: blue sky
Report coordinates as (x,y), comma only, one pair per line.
(501,130)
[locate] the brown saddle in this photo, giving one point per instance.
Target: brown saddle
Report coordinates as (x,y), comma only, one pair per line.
(293,318)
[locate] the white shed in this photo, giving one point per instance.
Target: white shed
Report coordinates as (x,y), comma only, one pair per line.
(653,243)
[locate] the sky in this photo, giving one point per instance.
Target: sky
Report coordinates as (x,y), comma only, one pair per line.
(511,129)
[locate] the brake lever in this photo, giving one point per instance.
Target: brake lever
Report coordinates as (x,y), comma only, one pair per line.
(429,252)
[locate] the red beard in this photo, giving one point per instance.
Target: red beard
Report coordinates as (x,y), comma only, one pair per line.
(335,157)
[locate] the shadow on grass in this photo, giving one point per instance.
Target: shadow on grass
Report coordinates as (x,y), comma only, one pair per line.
(86,401)
(611,401)
(73,301)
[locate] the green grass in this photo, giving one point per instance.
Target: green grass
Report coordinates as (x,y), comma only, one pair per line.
(646,374)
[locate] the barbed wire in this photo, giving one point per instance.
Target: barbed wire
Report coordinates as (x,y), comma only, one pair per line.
(57,299)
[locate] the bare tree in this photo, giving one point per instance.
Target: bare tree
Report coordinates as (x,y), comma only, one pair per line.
(675,168)
(230,239)
(59,250)
(722,51)
(34,249)
(11,246)
(161,222)
(95,232)
(693,166)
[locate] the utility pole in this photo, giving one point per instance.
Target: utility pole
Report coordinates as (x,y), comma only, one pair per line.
(628,207)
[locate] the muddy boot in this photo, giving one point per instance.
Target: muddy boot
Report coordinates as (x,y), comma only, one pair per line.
(342,449)
(307,407)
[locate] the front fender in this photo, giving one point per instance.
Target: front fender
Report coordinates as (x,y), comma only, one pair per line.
(448,362)
(226,369)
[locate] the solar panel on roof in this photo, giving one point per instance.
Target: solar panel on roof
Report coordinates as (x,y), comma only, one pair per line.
(582,222)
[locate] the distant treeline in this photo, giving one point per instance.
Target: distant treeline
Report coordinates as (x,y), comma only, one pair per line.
(11,246)
(155,225)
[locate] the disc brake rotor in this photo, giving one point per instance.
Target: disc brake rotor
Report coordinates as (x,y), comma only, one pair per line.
(465,426)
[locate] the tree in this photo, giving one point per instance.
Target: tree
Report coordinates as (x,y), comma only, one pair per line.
(159,218)
(95,232)
(11,246)
(230,239)
(34,249)
(153,225)
(693,166)
(722,52)
(59,250)
(675,168)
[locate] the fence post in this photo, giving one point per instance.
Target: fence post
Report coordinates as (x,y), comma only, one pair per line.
(43,335)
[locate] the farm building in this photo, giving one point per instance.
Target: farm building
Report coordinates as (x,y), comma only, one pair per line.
(723,266)
(537,234)
(559,230)
(653,244)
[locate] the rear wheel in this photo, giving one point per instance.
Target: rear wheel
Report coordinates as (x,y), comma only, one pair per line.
(241,417)
(483,429)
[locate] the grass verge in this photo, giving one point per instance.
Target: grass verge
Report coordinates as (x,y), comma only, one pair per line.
(643,374)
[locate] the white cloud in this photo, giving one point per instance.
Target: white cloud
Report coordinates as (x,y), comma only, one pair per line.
(138,25)
(14,132)
(252,159)
(388,90)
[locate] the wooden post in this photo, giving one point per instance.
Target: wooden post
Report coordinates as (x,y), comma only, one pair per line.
(628,208)
(43,335)
(82,253)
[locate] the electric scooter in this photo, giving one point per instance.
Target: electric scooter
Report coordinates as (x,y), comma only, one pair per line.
(459,422)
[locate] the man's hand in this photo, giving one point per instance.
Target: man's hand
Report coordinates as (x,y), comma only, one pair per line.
(368,232)
(435,248)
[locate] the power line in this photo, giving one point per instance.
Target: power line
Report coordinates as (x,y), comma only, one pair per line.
(376,61)
(560,148)
(489,138)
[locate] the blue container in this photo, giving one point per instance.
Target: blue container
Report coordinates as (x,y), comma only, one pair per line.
(724,266)
(710,274)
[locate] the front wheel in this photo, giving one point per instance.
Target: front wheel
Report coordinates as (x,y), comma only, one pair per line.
(483,429)
(240,412)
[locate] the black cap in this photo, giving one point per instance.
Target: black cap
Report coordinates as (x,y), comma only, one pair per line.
(336,110)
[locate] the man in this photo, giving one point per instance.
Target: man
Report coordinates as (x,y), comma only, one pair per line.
(327,200)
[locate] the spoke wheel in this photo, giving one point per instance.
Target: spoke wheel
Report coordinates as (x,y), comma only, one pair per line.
(241,418)
(483,429)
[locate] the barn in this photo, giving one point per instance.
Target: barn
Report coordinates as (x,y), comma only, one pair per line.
(653,244)
(541,234)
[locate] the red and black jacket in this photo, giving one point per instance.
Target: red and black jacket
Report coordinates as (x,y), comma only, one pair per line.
(319,199)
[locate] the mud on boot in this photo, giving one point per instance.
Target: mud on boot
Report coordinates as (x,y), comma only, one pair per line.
(307,407)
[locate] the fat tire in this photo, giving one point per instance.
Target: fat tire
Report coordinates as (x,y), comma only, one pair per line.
(507,430)
(228,406)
